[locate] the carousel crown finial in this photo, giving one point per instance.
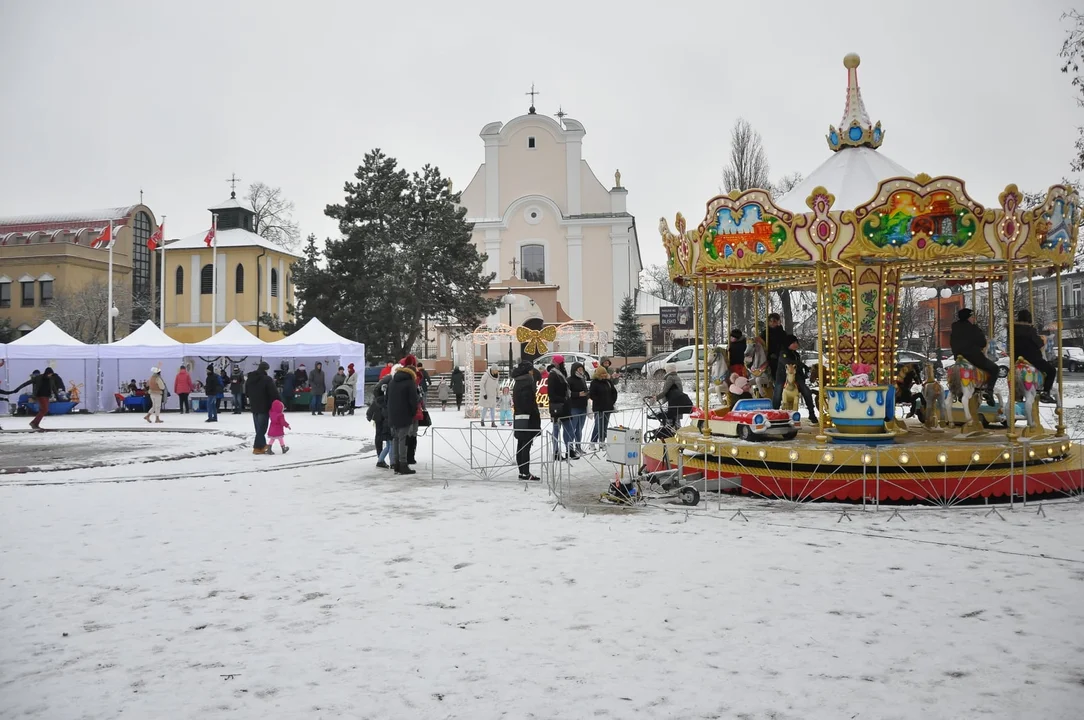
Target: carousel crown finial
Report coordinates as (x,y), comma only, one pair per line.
(855,129)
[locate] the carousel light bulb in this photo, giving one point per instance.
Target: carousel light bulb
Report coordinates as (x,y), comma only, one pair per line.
(733,450)
(1063,448)
(1031,453)
(867,459)
(942,458)
(827,457)
(975,457)
(904,458)
(1050,451)
(762,454)
(1005,456)
(793,455)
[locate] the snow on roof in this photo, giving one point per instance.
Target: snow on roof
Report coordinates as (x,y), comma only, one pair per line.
(230,204)
(233,334)
(148,334)
(47,334)
(56,221)
(648,304)
(851,174)
(234,237)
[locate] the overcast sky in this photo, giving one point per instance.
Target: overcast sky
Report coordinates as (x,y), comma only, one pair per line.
(101,99)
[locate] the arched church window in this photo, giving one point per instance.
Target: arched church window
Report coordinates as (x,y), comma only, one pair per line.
(178,281)
(207,280)
(274,282)
(239,279)
(532,259)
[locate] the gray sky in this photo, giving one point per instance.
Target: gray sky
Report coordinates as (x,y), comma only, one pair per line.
(103,98)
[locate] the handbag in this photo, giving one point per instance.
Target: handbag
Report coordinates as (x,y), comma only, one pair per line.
(425,420)
(557,410)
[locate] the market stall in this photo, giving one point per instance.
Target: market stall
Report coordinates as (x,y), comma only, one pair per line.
(316,342)
(131,358)
(75,362)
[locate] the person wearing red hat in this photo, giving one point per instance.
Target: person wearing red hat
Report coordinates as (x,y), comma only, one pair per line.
(351,385)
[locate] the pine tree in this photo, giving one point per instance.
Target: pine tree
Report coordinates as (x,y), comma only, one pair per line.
(629,336)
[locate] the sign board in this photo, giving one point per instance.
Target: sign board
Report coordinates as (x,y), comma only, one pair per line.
(676,318)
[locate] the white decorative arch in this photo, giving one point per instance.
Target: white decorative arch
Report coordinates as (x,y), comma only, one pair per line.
(45,277)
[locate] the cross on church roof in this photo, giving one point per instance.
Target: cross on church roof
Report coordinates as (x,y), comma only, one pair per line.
(233,180)
(513,263)
(532,93)
(560,114)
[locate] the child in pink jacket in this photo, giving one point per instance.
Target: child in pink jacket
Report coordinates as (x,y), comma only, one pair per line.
(277,428)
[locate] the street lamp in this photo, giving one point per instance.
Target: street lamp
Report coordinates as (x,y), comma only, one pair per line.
(508,300)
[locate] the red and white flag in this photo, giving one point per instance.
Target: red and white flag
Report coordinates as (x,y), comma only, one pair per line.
(105,240)
(156,239)
(210,239)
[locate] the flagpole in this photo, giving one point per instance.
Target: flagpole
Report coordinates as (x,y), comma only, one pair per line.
(162,281)
(109,310)
(214,272)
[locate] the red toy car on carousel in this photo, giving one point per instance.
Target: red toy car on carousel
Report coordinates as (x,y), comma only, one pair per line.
(751,419)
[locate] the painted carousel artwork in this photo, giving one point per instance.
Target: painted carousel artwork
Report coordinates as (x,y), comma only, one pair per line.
(856,239)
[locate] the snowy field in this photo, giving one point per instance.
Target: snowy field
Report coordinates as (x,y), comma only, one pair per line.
(164,583)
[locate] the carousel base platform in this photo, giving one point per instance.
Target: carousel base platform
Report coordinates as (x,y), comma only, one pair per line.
(919,466)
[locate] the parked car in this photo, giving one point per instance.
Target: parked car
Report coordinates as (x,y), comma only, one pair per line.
(639,368)
(1072,359)
(682,357)
(590,362)
(1002,365)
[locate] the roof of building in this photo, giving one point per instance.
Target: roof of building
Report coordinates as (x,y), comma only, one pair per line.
(648,304)
(233,238)
(230,204)
(65,220)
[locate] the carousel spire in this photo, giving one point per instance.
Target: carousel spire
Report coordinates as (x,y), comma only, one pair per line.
(854,129)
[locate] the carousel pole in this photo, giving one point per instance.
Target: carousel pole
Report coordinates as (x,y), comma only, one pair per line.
(1060,410)
(730,314)
(1010,414)
(756,310)
(696,337)
(706,383)
(1031,293)
(974,288)
(989,307)
(821,436)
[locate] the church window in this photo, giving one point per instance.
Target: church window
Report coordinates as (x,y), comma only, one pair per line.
(532,259)
(178,281)
(530,143)
(207,280)
(239,279)
(5,294)
(274,282)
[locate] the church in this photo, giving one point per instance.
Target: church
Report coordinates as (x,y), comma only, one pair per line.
(560,244)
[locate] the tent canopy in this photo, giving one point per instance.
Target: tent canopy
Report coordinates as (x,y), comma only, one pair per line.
(48,342)
(314,340)
(232,340)
(146,342)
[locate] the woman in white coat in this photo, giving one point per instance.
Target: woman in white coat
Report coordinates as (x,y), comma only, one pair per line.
(488,395)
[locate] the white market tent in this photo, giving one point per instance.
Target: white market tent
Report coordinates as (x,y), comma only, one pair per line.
(232,341)
(316,342)
(49,346)
(132,357)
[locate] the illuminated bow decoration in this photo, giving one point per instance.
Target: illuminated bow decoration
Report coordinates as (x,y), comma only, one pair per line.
(536,339)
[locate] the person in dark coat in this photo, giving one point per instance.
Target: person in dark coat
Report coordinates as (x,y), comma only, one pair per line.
(577,405)
(735,352)
(261,392)
(560,412)
(775,339)
(212,387)
(603,395)
(526,420)
(791,356)
(301,377)
(968,341)
(1028,344)
(318,386)
(43,390)
(458,387)
(60,390)
(378,415)
(288,385)
(402,413)
(237,389)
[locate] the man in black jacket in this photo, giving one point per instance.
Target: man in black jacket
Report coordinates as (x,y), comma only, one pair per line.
(402,412)
(775,338)
(212,386)
(968,341)
(43,390)
(790,356)
(526,419)
(261,392)
(1028,344)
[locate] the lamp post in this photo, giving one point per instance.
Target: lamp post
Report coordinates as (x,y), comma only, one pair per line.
(508,300)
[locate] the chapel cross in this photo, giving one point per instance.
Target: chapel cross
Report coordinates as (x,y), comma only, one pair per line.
(513,263)
(532,93)
(233,180)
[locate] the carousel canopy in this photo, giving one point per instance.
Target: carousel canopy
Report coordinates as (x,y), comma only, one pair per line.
(853,174)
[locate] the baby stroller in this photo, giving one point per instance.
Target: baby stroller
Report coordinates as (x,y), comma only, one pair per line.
(654,411)
(342,401)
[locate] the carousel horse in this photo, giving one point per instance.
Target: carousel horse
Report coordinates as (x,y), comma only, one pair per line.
(790,389)
(720,372)
(935,410)
(964,380)
(1028,382)
(758,368)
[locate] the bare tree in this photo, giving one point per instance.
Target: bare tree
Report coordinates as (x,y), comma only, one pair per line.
(748,167)
(83,313)
(274,215)
(785,184)
(1072,53)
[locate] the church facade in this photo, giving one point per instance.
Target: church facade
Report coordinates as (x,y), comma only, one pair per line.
(556,238)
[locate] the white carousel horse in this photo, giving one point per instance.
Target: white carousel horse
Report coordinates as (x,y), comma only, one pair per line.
(790,389)
(758,368)
(1028,381)
(720,374)
(964,380)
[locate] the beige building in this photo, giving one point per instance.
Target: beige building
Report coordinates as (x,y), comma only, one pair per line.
(45,256)
(254,277)
(552,232)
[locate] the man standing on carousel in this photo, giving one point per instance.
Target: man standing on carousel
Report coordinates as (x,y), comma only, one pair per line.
(968,341)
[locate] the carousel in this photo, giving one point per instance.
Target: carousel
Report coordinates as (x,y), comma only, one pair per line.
(869,228)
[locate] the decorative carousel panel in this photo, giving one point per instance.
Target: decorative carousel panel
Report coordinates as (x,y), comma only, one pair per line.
(841,303)
(680,248)
(921,219)
(820,232)
(746,229)
(1055,225)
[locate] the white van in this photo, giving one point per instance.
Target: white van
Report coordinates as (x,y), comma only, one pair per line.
(683,358)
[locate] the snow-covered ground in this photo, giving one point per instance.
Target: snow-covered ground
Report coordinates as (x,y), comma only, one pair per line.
(313,585)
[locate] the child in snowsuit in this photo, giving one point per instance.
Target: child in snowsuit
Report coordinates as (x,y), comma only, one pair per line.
(276,430)
(378,415)
(443,394)
(505,404)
